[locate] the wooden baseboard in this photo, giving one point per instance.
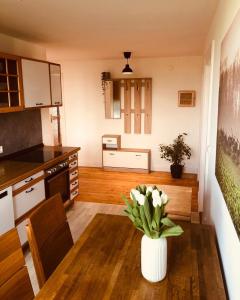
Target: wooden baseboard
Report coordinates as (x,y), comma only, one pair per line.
(126,170)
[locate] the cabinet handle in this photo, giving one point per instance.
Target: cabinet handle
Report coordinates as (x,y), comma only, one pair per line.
(111,153)
(109,141)
(138,155)
(39,103)
(74,193)
(74,183)
(29,191)
(57,102)
(28,180)
(74,173)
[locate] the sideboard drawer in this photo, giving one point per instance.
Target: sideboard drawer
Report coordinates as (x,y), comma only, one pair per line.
(73,184)
(110,141)
(29,198)
(73,156)
(122,159)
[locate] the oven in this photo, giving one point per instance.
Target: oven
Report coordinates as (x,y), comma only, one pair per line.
(57,180)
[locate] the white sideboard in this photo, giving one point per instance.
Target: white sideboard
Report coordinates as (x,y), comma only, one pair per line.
(129,159)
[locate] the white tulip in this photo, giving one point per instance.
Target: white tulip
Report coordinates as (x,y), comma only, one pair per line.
(140,199)
(164,198)
(135,193)
(157,201)
(149,189)
(155,193)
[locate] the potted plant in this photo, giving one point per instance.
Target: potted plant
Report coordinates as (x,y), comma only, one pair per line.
(176,153)
(147,212)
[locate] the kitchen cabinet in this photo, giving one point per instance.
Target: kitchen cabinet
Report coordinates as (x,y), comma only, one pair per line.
(11,97)
(36,83)
(56,86)
(6,210)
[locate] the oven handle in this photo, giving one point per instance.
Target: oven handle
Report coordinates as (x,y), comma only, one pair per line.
(49,177)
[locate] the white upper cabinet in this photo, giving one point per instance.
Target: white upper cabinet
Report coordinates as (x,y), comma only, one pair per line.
(56,87)
(36,83)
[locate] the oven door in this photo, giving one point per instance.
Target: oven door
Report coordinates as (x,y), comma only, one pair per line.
(58,183)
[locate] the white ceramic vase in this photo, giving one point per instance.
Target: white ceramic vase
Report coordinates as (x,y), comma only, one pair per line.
(153,258)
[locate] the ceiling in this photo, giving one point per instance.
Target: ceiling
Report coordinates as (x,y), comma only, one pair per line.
(102,29)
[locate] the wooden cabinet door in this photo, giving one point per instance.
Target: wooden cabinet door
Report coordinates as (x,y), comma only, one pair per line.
(56,86)
(36,83)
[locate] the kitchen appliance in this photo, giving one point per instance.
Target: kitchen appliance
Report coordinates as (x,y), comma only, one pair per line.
(57,180)
(6,210)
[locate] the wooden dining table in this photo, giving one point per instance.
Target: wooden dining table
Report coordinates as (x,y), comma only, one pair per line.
(105,263)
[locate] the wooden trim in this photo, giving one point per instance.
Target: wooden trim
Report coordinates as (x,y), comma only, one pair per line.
(28,185)
(27,214)
(125,170)
(127,106)
(148,107)
(137,106)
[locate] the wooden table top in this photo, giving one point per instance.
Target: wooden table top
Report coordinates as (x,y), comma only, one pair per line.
(105,264)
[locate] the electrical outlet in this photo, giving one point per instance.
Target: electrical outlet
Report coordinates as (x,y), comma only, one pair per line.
(1,149)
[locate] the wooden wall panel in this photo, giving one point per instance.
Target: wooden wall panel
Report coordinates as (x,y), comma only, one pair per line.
(108,95)
(137,105)
(148,107)
(127,106)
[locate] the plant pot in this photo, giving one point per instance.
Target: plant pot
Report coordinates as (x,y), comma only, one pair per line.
(176,171)
(153,258)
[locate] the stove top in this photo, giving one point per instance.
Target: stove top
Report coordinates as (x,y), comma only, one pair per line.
(38,155)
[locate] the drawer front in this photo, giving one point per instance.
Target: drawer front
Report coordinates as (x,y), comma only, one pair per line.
(73,174)
(22,232)
(110,141)
(74,194)
(120,159)
(27,180)
(6,210)
(73,164)
(73,184)
(111,159)
(29,198)
(75,155)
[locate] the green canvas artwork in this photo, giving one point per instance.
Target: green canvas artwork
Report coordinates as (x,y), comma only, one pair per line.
(228,130)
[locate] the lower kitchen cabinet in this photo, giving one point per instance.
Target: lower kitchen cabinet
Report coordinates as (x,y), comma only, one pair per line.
(6,210)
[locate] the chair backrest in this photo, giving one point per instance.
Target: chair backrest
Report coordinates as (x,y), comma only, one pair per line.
(14,279)
(49,237)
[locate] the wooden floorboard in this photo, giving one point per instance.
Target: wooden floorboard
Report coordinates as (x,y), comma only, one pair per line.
(98,185)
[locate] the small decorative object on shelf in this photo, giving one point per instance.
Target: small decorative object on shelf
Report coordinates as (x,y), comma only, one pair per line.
(105,77)
(176,153)
(147,212)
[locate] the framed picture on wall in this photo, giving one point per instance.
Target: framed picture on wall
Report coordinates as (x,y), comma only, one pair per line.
(228,129)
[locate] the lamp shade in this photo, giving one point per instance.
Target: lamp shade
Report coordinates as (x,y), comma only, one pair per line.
(127,70)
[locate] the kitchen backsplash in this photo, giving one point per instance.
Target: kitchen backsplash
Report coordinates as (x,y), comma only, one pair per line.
(20,130)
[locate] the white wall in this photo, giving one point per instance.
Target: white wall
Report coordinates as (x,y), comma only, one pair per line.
(216,210)
(83,113)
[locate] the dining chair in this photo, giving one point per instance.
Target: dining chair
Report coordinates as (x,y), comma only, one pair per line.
(49,237)
(14,279)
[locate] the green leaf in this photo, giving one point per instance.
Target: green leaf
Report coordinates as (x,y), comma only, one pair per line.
(135,212)
(157,215)
(144,221)
(173,231)
(166,221)
(154,224)
(127,203)
(147,213)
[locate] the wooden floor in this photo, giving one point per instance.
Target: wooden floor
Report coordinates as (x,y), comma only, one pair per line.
(97,185)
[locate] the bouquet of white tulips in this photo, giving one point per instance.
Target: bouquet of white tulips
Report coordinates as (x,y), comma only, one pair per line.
(147,212)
